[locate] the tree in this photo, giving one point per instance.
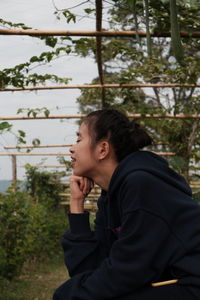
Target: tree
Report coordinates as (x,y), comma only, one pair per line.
(155,60)
(138,60)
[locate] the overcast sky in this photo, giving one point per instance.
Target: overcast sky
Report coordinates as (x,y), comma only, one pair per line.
(17,49)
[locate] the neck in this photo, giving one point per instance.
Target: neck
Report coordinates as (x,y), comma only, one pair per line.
(103,176)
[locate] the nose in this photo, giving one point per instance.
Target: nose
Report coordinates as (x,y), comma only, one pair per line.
(71,149)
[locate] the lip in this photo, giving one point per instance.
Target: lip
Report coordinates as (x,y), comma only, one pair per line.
(73,160)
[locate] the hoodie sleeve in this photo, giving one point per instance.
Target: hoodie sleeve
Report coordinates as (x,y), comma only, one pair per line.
(139,256)
(84,249)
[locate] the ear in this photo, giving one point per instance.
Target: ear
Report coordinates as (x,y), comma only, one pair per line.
(103,149)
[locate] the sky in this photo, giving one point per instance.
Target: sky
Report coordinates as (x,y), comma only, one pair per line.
(18,49)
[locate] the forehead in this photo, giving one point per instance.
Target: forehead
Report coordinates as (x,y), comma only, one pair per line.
(83,130)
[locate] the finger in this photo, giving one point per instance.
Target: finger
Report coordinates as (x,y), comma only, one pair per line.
(76,184)
(77,180)
(86,186)
(81,183)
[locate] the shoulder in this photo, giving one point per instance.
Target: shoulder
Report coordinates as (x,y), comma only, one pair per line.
(137,179)
(136,189)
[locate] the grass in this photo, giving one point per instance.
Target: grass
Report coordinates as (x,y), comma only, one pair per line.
(37,282)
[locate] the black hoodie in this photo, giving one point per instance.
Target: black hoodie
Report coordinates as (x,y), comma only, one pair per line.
(147,229)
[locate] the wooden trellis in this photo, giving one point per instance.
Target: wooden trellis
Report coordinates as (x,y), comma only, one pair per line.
(14,160)
(81,116)
(102,33)
(98,33)
(38,146)
(105,85)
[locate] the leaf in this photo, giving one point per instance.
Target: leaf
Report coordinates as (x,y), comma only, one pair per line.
(22,133)
(36,142)
(46,113)
(51,41)
(34,59)
(20,110)
(89,10)
(5,126)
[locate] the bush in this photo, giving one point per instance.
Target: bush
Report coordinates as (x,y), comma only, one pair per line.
(14,218)
(43,232)
(28,231)
(44,186)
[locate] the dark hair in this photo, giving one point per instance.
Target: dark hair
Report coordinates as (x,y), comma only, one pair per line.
(125,136)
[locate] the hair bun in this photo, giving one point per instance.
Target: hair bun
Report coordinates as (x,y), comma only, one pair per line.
(134,126)
(139,136)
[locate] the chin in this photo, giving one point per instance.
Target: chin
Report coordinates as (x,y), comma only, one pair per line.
(78,172)
(81,173)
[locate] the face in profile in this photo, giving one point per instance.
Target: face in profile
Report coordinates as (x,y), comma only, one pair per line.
(83,156)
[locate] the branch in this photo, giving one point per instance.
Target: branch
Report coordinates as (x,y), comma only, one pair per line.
(192,136)
(157,97)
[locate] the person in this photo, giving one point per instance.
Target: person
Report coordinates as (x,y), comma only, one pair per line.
(147,226)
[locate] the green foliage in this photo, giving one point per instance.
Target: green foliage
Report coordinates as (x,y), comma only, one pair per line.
(28,232)
(44,186)
(138,60)
(43,232)
(21,137)
(69,16)
(175,32)
(5,126)
(65,162)
(19,77)
(36,142)
(34,111)
(14,219)
(49,40)
(127,60)
(14,25)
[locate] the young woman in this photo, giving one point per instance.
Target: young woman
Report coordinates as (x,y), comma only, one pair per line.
(147,227)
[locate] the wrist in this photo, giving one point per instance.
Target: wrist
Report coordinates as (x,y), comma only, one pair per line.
(76,207)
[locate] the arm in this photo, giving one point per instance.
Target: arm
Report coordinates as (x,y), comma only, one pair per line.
(84,249)
(144,248)
(81,251)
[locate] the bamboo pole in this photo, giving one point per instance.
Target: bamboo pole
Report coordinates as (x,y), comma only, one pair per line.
(68,154)
(107,33)
(195,183)
(14,172)
(92,206)
(38,146)
(94,196)
(165,153)
(80,116)
(105,85)
(43,117)
(45,166)
(60,145)
(35,154)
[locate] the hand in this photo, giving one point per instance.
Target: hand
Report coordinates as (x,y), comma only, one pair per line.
(80,188)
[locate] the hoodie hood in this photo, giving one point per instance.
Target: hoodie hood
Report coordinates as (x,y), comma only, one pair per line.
(151,163)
